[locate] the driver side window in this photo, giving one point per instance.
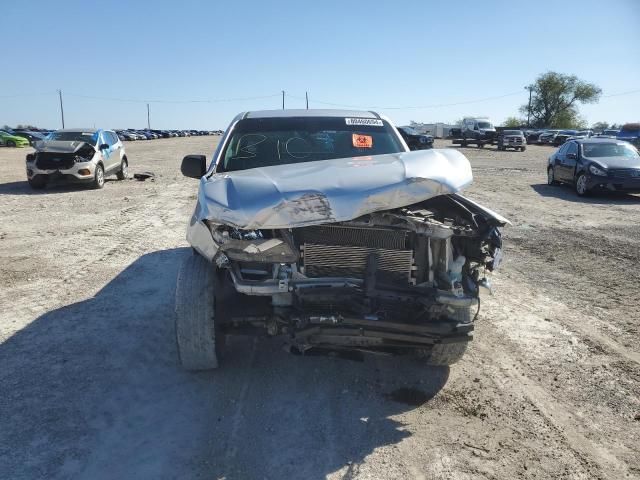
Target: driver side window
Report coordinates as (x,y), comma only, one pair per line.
(572,148)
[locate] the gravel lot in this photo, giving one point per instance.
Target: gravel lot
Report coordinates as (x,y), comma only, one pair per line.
(90,386)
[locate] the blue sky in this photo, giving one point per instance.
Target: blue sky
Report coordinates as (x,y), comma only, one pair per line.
(372,54)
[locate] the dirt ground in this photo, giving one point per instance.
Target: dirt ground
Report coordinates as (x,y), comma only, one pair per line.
(90,386)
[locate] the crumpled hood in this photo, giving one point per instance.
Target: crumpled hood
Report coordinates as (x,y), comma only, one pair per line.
(59,146)
(616,162)
(311,193)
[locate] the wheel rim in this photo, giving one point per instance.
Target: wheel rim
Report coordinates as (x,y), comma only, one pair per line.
(582,184)
(550,176)
(100,176)
(124,169)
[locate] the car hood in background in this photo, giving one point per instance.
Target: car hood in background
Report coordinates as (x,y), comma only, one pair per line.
(616,162)
(59,146)
(312,193)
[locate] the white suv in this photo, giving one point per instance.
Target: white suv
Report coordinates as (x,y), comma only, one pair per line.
(77,155)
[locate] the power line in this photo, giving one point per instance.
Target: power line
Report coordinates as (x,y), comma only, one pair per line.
(29,94)
(411,106)
(135,100)
(620,94)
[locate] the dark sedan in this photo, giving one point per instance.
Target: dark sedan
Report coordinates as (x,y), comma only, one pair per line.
(415,140)
(596,164)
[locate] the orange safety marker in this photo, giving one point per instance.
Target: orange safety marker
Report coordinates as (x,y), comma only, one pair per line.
(362,141)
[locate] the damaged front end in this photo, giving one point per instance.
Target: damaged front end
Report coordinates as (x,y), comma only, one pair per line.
(391,278)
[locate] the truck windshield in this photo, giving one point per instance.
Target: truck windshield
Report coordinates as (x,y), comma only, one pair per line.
(513,132)
(485,125)
(262,142)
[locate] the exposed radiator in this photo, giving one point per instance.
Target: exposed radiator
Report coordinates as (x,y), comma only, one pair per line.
(337,251)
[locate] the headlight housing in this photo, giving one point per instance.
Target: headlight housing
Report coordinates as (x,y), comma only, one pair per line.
(597,171)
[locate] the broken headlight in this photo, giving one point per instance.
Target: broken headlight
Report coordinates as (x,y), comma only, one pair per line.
(238,234)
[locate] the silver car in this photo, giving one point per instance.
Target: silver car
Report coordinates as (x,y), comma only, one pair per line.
(322,228)
(77,155)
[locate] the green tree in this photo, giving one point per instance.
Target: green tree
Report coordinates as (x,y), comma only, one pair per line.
(555,98)
(513,122)
(600,126)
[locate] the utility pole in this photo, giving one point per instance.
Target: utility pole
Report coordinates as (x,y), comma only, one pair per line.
(148,121)
(306,95)
(61,108)
(283,99)
(530,88)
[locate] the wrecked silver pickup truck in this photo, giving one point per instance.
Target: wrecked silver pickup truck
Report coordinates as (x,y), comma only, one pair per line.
(322,228)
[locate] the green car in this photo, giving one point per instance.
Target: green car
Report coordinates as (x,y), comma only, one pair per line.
(12,141)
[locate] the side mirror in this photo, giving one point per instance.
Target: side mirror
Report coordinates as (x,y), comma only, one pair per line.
(572,156)
(194,166)
(104,146)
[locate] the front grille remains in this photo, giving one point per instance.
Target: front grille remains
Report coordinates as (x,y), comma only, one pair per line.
(625,173)
(343,251)
(55,161)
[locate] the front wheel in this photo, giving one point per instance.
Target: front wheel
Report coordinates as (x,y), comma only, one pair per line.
(581,185)
(443,354)
(124,170)
(98,177)
(37,183)
(11,143)
(195,314)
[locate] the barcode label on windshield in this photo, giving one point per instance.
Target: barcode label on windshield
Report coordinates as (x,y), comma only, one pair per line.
(368,122)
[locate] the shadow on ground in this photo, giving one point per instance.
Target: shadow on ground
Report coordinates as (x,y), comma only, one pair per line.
(93,390)
(566,192)
(23,188)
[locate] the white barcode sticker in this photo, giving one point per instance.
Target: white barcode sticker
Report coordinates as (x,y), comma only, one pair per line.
(373,122)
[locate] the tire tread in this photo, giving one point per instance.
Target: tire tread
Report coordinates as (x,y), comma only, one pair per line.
(195,310)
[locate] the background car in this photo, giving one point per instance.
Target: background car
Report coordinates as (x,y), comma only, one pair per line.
(29,135)
(596,164)
(77,155)
(414,139)
(511,139)
(546,138)
(532,136)
(562,137)
(10,140)
(630,132)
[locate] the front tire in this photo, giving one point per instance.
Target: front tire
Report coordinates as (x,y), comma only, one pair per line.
(11,143)
(581,185)
(443,354)
(195,314)
(37,183)
(123,174)
(98,177)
